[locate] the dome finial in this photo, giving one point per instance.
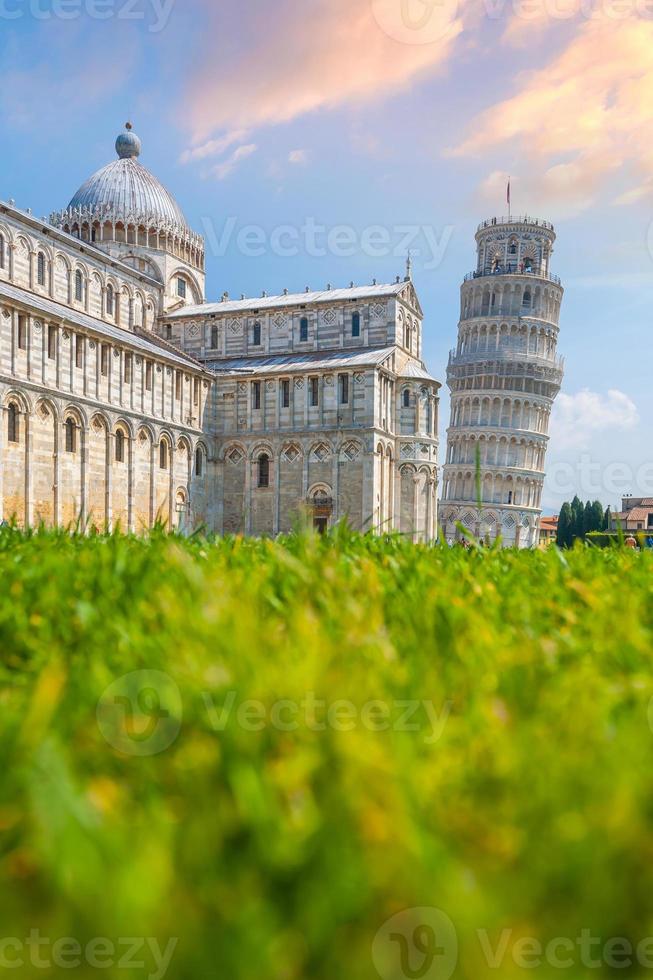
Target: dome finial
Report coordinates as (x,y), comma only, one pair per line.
(128,145)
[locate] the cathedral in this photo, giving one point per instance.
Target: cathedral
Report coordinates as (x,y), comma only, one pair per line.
(128,399)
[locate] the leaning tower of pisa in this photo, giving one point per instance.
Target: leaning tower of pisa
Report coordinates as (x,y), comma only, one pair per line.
(503,375)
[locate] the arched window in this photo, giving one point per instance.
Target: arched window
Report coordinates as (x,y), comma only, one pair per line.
(199,462)
(256,334)
(406,397)
(163,455)
(13,425)
(79,286)
(2,251)
(528,265)
(264,470)
(71,436)
(512,248)
(356,325)
(527,298)
(120,446)
(214,336)
(407,338)
(111,301)
(40,269)
(303,329)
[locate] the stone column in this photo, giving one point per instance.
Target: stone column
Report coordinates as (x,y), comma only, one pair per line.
(84,454)
(276,462)
(29,455)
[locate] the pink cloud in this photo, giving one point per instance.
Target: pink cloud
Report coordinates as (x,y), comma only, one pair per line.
(213,148)
(222,170)
(305,56)
(580,119)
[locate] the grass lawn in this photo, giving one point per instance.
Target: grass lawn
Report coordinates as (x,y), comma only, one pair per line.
(251,757)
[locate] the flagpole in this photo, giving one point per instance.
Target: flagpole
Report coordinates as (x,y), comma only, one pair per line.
(509,202)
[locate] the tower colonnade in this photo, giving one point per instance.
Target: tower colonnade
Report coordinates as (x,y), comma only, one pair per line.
(504,375)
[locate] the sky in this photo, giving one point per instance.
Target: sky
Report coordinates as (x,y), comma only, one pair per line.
(315,141)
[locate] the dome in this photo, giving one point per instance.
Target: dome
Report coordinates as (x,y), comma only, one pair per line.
(125,191)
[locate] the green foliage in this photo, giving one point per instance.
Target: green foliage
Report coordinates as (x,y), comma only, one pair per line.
(565,533)
(276,852)
(577,520)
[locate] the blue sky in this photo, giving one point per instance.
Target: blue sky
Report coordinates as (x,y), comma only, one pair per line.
(379,116)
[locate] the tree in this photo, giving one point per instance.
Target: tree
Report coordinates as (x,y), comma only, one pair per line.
(578,518)
(598,516)
(564,536)
(607,519)
(588,519)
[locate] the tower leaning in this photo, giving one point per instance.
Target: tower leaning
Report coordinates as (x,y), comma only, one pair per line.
(503,376)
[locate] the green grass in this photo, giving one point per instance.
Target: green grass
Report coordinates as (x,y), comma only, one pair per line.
(520,798)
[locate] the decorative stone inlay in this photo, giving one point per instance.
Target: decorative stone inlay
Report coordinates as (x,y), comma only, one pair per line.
(92,345)
(328,380)
(291,454)
(66,335)
(352,451)
(408,449)
(321,453)
(169,372)
(359,378)
(330,316)
(299,382)
(270,385)
(279,320)
(242,387)
(235,456)
(193,330)
(378,311)
(235,325)
(38,326)
(116,353)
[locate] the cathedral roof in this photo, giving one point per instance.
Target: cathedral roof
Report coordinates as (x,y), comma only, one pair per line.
(283,363)
(294,299)
(125,191)
(414,370)
(64,314)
